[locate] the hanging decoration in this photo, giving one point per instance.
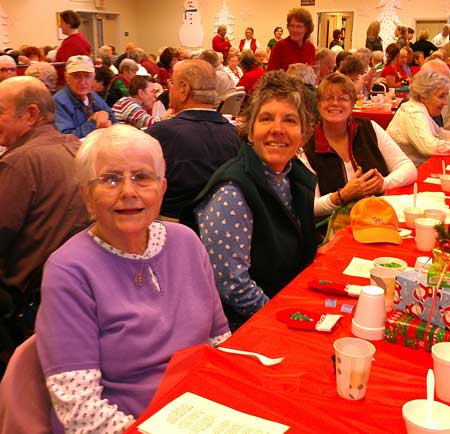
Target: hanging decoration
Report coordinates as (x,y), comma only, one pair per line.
(226,18)
(388,19)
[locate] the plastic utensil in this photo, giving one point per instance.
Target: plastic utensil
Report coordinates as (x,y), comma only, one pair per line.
(266,361)
(430,397)
(415,195)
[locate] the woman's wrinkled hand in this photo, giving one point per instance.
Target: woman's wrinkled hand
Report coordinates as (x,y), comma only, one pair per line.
(363,185)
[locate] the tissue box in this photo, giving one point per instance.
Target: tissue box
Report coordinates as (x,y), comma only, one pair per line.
(434,273)
(436,268)
(413,295)
(409,331)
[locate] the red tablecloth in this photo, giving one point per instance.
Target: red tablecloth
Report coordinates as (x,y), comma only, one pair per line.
(301,391)
(379,115)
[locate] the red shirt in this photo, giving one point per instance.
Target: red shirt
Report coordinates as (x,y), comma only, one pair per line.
(286,51)
(249,79)
(221,46)
(397,71)
(73,45)
(151,67)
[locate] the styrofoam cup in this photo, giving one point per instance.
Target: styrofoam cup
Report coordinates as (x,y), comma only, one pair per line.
(378,262)
(384,277)
(445,183)
(422,263)
(437,214)
(441,367)
(370,314)
(415,414)
(411,214)
(426,233)
(353,362)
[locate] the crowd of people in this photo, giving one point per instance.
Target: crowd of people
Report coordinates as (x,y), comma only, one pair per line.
(133,210)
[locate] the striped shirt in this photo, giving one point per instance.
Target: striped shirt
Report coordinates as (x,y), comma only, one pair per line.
(128,110)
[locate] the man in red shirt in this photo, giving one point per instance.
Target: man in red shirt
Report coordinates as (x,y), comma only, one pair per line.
(221,43)
(295,48)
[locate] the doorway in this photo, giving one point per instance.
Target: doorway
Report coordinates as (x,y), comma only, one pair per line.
(99,29)
(329,21)
(433,26)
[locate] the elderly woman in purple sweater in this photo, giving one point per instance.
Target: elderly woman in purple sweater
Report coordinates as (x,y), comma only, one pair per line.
(121,297)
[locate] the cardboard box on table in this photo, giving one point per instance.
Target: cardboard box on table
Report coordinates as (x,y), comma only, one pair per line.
(410,331)
(414,295)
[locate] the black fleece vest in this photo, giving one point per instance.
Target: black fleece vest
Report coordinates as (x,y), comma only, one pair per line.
(283,243)
(330,168)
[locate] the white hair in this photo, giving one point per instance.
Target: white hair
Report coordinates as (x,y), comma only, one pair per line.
(114,140)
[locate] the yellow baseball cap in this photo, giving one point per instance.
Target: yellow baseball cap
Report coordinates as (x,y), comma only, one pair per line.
(373,220)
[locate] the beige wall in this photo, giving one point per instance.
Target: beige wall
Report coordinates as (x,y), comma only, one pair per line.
(158,26)
(155,23)
(33,22)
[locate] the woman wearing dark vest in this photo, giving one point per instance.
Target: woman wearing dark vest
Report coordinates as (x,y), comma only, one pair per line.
(353,158)
(255,216)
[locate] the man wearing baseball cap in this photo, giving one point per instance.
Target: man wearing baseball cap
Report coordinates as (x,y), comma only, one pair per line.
(79,110)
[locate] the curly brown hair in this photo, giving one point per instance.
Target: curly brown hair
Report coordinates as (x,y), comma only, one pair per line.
(303,16)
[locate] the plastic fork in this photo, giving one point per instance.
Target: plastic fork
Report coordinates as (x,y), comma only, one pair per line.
(266,361)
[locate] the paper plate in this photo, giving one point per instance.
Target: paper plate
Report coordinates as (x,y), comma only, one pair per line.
(298,318)
(404,232)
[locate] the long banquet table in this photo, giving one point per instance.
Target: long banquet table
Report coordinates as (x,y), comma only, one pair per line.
(301,391)
(381,116)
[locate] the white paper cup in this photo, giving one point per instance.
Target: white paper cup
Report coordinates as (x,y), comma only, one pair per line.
(445,183)
(441,367)
(422,263)
(370,314)
(437,214)
(378,262)
(411,214)
(385,278)
(425,233)
(353,362)
(416,417)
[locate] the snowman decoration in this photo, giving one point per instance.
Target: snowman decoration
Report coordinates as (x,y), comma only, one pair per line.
(191,31)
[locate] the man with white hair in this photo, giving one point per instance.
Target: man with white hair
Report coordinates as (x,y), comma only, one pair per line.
(224,83)
(326,62)
(197,140)
(119,85)
(7,67)
(79,110)
(39,197)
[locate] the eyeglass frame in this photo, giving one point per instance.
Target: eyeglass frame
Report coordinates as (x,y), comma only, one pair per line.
(101,181)
(339,99)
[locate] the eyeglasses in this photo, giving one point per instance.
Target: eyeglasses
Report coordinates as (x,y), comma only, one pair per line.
(6,69)
(339,98)
(113,181)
